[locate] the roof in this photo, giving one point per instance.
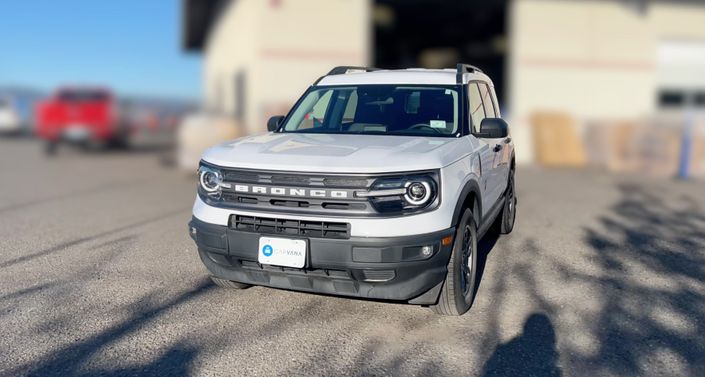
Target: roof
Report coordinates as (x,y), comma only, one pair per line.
(401,76)
(197,18)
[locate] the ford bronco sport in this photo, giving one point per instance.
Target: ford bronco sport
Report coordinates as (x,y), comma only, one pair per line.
(377,184)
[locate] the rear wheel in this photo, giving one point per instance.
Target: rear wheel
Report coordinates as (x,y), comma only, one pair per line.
(50,148)
(509,212)
(459,287)
(229,283)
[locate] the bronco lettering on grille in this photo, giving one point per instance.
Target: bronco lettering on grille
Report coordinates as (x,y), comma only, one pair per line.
(300,192)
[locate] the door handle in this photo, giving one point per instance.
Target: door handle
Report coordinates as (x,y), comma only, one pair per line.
(497,147)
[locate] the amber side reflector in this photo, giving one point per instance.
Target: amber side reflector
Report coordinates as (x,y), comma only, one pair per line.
(447,240)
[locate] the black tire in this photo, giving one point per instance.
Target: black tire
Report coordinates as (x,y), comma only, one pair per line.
(119,142)
(50,148)
(509,212)
(229,283)
(458,290)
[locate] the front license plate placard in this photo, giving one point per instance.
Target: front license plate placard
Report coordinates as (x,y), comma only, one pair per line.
(282,252)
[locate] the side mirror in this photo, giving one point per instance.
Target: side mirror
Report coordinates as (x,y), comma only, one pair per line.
(274,122)
(493,128)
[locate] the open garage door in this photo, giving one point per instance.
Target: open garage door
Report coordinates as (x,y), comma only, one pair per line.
(441,33)
(680,74)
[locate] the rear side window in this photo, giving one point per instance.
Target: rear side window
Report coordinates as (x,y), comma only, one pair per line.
(477,111)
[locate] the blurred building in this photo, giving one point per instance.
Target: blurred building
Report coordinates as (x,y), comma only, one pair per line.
(566,63)
(606,61)
(259,56)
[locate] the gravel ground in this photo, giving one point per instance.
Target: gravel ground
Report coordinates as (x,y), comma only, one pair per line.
(603,275)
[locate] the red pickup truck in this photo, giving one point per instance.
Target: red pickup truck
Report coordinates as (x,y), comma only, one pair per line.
(87,116)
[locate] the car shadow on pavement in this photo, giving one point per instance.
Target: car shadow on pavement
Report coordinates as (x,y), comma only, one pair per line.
(532,353)
(484,248)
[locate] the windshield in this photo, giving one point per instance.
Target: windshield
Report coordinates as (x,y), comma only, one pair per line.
(377,109)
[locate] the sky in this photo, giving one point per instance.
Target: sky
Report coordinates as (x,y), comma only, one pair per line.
(131,46)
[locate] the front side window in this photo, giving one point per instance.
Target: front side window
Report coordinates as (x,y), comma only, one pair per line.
(487,100)
(477,110)
(378,109)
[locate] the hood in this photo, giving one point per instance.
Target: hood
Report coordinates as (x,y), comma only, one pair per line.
(338,153)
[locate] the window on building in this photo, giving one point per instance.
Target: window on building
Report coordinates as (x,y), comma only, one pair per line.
(681,98)
(699,99)
(672,98)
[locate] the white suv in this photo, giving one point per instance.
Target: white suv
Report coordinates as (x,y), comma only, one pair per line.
(377,184)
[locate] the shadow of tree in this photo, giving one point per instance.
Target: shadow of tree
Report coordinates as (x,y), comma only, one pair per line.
(104,188)
(644,265)
(81,240)
(648,252)
(533,353)
(652,257)
(70,360)
(176,361)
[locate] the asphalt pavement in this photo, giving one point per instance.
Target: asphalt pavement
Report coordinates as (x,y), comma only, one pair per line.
(603,275)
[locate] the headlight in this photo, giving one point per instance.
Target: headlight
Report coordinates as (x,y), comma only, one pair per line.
(210,179)
(418,192)
(403,194)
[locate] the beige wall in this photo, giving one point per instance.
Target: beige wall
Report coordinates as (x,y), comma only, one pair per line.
(231,45)
(588,58)
(592,59)
(284,47)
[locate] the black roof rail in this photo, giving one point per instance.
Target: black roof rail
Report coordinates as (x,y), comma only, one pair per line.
(463,69)
(343,69)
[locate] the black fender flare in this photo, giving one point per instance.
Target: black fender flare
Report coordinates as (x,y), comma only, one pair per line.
(471,187)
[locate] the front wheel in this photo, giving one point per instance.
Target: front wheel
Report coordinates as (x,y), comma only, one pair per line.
(223,283)
(459,287)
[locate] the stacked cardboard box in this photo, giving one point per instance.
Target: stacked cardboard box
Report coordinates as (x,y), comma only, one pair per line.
(697,155)
(556,140)
(649,146)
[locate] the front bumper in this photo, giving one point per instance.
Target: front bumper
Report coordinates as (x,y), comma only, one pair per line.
(386,268)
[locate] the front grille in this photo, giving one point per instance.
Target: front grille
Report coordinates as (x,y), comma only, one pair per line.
(296,179)
(268,225)
(302,201)
(306,193)
(378,275)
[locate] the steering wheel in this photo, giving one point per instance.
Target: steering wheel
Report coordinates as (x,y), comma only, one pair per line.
(419,126)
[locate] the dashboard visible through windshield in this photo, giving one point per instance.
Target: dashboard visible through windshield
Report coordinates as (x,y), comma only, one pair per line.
(378,109)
